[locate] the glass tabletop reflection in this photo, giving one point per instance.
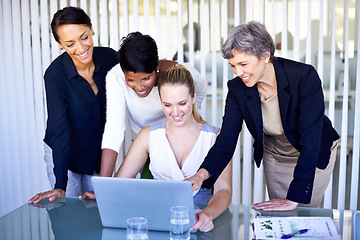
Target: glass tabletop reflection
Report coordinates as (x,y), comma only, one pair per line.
(74,218)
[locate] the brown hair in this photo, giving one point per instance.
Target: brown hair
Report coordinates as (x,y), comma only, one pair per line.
(179,75)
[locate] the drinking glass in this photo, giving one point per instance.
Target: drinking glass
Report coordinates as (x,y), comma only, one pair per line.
(137,229)
(179,223)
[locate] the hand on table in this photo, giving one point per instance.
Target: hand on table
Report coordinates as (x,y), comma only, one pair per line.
(51,195)
(276,205)
(203,223)
(89,194)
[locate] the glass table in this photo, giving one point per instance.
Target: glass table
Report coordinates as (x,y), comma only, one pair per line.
(73,218)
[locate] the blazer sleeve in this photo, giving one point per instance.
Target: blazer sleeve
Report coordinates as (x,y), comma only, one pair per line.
(310,114)
(222,151)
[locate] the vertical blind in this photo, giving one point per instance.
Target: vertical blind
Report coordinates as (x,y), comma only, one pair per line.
(326,34)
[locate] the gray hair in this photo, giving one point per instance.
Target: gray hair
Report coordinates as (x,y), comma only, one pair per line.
(252,38)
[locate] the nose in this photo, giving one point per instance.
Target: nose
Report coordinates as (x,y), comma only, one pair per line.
(81,48)
(139,87)
(238,71)
(175,110)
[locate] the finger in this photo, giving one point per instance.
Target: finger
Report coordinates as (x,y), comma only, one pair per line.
(196,226)
(90,195)
(39,197)
(31,200)
(207,227)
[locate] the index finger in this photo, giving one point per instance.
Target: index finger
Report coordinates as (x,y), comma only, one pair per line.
(34,198)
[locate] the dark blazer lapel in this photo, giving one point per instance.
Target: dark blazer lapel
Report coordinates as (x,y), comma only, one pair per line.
(283,91)
(254,107)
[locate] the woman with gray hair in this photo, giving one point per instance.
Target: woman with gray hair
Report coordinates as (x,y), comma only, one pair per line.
(282,104)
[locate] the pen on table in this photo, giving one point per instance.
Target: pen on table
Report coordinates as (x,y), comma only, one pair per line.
(286,236)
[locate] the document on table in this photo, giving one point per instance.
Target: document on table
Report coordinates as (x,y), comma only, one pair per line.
(276,227)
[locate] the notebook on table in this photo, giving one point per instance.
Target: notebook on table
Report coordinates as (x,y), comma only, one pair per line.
(121,198)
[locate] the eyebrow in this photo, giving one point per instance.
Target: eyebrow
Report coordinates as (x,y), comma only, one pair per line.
(80,37)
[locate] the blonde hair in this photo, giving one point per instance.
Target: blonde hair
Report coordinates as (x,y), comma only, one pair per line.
(179,75)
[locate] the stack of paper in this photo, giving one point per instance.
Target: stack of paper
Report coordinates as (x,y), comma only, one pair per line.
(276,227)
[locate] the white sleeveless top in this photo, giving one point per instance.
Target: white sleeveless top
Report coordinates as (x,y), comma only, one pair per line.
(163,164)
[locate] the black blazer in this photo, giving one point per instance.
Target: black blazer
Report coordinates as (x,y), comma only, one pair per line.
(301,103)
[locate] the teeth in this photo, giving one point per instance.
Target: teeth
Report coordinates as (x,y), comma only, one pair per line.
(82,55)
(245,78)
(177,118)
(142,92)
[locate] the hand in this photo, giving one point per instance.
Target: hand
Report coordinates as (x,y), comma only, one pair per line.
(51,195)
(89,194)
(203,223)
(198,179)
(276,205)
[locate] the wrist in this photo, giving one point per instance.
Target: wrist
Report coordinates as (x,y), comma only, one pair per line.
(203,174)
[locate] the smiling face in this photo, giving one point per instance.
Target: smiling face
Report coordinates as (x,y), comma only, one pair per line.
(248,67)
(77,40)
(141,83)
(177,103)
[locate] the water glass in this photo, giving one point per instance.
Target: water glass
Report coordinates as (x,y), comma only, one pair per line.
(179,223)
(137,229)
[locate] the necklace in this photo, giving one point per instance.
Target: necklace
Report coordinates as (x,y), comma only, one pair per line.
(266,89)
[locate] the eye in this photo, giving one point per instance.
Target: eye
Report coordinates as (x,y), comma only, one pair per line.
(129,80)
(183,103)
(166,105)
(85,38)
(146,78)
(70,45)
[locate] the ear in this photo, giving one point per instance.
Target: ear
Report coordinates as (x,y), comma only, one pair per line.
(60,46)
(194,98)
(267,57)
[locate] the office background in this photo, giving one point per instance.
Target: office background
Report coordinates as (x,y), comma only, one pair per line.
(324,33)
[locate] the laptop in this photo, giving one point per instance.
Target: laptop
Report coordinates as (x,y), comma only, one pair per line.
(121,198)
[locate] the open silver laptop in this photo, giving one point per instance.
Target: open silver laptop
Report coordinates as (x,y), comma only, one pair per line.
(121,198)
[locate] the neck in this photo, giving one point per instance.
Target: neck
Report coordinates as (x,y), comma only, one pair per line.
(268,77)
(85,67)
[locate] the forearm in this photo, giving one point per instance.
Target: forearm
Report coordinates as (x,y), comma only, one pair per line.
(218,204)
(108,160)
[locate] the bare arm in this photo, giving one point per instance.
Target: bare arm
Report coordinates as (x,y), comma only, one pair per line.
(137,155)
(108,160)
(218,203)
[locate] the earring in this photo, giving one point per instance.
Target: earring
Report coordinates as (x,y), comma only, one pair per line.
(61,48)
(93,33)
(157,71)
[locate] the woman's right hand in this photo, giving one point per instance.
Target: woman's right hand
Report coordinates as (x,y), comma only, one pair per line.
(89,194)
(51,195)
(198,179)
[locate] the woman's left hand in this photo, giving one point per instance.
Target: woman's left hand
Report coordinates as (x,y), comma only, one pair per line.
(276,205)
(203,223)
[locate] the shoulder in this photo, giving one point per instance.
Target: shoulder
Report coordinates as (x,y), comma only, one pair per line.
(106,56)
(209,128)
(291,67)
(158,125)
(236,85)
(105,51)
(116,72)
(56,69)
